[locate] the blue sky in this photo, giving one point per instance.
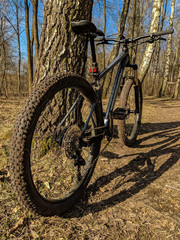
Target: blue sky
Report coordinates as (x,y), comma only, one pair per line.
(113,11)
(97,19)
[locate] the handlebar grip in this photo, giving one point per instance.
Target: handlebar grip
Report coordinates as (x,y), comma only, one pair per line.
(170,31)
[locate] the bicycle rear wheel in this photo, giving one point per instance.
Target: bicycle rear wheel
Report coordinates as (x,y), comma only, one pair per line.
(49,166)
(129,127)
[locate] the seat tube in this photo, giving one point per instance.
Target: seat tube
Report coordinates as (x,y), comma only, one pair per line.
(94,68)
(93,52)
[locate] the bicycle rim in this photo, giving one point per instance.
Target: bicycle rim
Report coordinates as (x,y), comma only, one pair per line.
(54,172)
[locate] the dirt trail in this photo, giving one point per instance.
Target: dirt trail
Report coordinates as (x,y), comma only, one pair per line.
(134,192)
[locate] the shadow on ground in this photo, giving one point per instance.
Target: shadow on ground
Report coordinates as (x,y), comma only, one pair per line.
(142,169)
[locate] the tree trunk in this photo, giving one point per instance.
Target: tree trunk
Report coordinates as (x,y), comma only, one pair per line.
(158,48)
(116,47)
(3,84)
(4,80)
(29,45)
(35,28)
(19,48)
(104,61)
(133,22)
(176,91)
(60,49)
(156,11)
(168,54)
(176,60)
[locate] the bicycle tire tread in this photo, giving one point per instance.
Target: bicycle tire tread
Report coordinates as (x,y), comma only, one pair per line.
(123,101)
(16,164)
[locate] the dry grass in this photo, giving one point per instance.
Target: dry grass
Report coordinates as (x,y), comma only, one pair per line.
(134,193)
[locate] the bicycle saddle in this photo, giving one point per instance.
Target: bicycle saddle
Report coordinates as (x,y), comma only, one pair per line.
(85,26)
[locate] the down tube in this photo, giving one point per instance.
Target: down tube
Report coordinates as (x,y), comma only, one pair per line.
(115,88)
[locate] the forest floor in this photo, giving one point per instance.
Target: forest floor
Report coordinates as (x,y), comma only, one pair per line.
(134,192)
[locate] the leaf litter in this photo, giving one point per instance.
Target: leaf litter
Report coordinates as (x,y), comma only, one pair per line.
(133,194)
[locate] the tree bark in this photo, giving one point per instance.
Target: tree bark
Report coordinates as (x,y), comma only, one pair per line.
(133,22)
(168,54)
(175,63)
(158,47)
(176,91)
(19,47)
(35,28)
(60,49)
(156,11)
(3,84)
(29,45)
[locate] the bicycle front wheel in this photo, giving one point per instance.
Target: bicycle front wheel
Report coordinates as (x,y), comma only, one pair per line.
(131,101)
(49,165)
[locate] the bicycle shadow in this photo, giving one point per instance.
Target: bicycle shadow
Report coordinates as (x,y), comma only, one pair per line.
(142,170)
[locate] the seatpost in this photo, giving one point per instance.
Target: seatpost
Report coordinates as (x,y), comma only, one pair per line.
(94,69)
(93,48)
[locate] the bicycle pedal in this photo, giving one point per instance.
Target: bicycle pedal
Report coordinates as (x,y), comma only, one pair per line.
(120,113)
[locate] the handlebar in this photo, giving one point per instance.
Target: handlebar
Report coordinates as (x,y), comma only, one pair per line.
(153,37)
(166,32)
(155,34)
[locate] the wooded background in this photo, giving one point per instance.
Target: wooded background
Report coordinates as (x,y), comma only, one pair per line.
(36,41)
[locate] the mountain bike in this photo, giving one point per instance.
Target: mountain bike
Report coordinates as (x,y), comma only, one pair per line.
(57,137)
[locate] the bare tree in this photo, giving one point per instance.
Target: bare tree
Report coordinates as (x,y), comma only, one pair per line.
(19,45)
(176,91)
(104,32)
(116,48)
(158,46)
(4,47)
(29,44)
(177,62)
(168,53)
(133,23)
(35,27)
(145,63)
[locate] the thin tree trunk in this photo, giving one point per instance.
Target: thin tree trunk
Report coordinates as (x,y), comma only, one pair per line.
(4,80)
(60,49)
(4,58)
(156,11)
(104,62)
(176,91)
(29,46)
(35,28)
(168,54)
(138,23)
(175,62)
(19,48)
(133,25)
(116,47)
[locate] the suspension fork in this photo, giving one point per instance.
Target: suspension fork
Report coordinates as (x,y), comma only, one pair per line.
(136,88)
(136,82)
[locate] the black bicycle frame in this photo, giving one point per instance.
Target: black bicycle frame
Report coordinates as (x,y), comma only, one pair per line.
(123,60)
